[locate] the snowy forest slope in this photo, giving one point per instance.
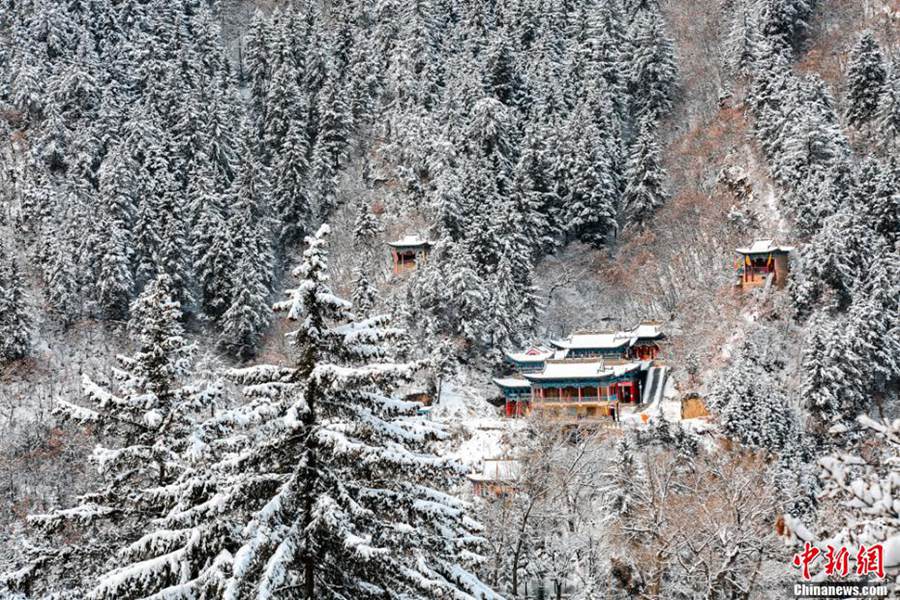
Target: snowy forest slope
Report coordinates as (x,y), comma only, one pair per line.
(573,162)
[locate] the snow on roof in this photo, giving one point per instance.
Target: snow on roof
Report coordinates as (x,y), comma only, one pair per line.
(497,469)
(642,330)
(534,354)
(409,241)
(763,247)
(511,382)
(580,369)
(591,340)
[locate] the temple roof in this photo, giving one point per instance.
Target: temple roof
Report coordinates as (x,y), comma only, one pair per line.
(763,247)
(644,330)
(410,241)
(580,369)
(533,354)
(511,382)
(592,340)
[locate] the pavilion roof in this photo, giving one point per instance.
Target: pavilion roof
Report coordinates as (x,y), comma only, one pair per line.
(533,354)
(511,382)
(763,247)
(410,241)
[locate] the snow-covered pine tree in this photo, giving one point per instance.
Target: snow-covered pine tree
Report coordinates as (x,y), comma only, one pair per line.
(252,261)
(15,321)
(258,65)
(785,22)
(742,36)
(644,177)
(245,319)
(830,390)
(331,493)
(60,273)
(366,228)
(115,281)
(211,245)
(365,294)
(290,193)
(331,146)
(454,292)
(866,75)
(145,419)
(535,194)
(888,118)
(652,72)
(876,197)
(750,405)
(591,182)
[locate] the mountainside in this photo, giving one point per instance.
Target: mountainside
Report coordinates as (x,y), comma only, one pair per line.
(240,242)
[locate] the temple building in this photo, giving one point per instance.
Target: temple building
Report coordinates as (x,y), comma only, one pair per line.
(640,342)
(761,262)
(588,375)
(409,252)
(577,389)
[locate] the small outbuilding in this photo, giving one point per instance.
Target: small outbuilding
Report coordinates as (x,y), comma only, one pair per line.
(408,252)
(761,262)
(498,477)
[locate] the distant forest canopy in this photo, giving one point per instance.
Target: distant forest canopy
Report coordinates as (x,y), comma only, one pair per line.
(139,148)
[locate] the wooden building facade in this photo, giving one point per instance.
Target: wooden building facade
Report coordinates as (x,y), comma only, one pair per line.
(588,375)
(761,261)
(408,252)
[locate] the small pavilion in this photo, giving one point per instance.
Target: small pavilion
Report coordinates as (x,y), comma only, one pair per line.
(530,359)
(644,338)
(760,261)
(408,252)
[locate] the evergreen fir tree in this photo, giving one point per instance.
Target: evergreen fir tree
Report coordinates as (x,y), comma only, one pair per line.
(652,75)
(590,206)
(644,177)
(60,273)
(290,189)
(365,295)
(866,75)
(785,22)
(888,119)
(252,261)
(115,283)
(829,390)
(15,321)
(332,492)
(211,247)
(366,228)
(146,418)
